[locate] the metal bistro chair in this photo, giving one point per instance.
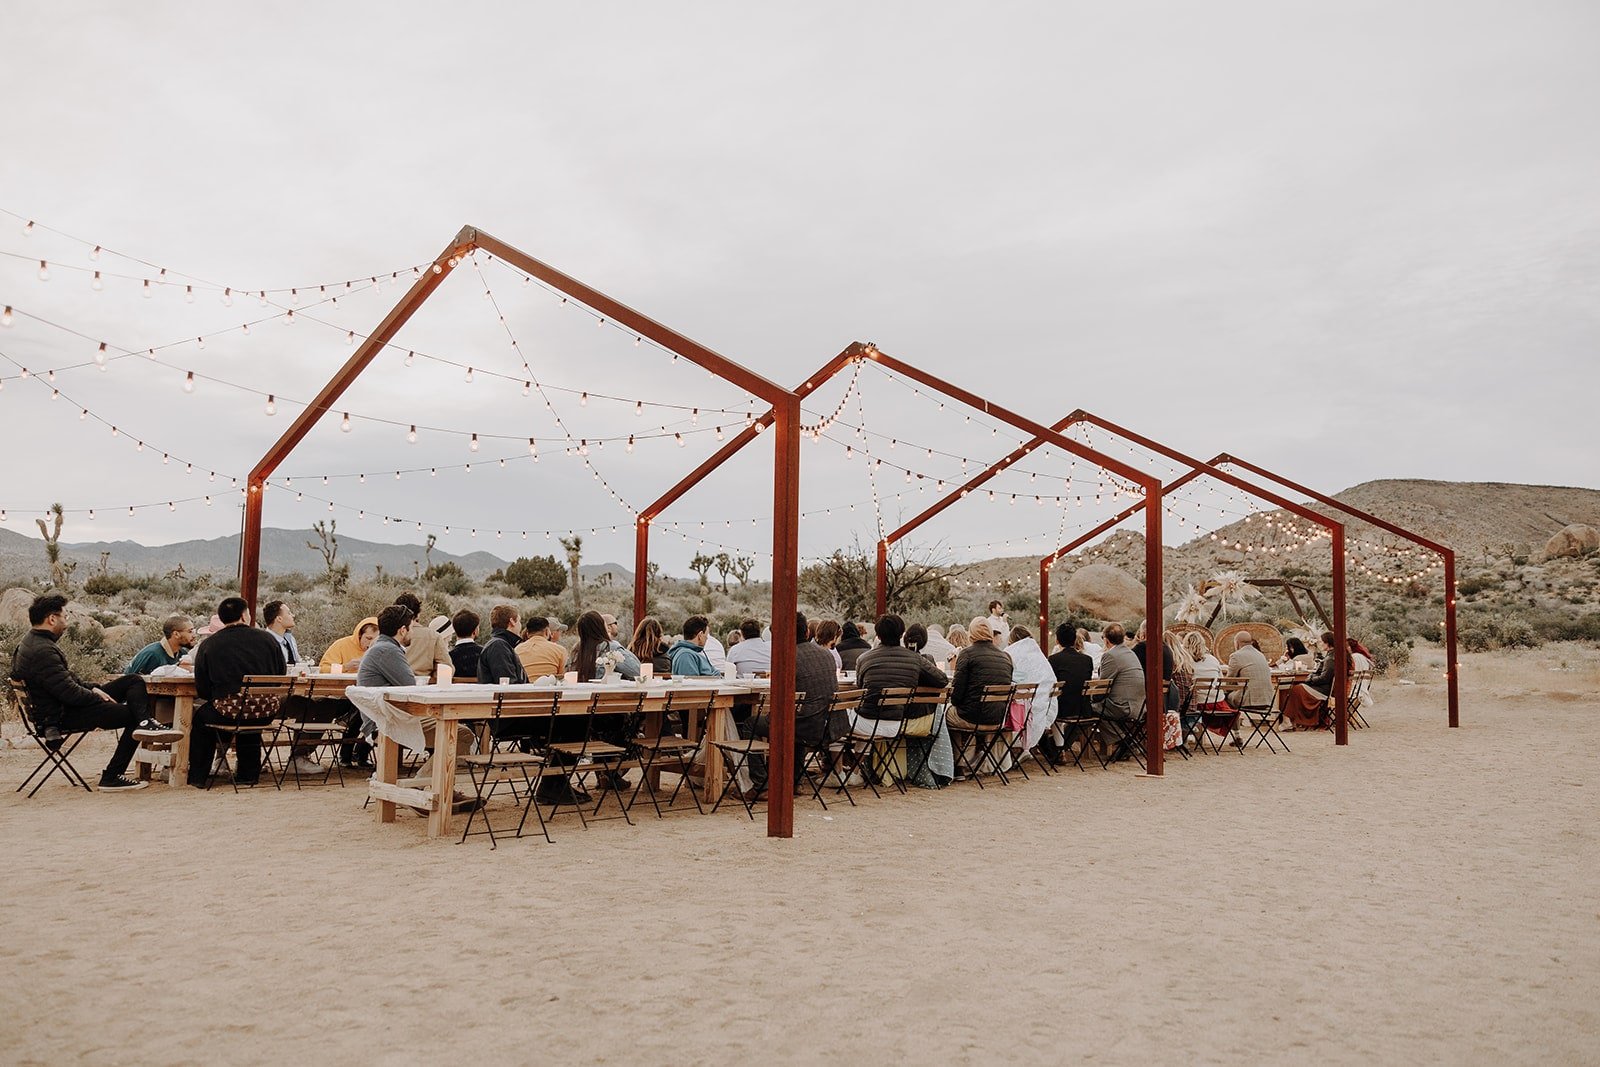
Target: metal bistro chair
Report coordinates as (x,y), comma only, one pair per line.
(1209,694)
(736,755)
(608,711)
(312,738)
(1264,719)
(254,709)
(985,740)
(1360,682)
(833,758)
(926,701)
(876,740)
(1024,693)
(495,766)
(1127,735)
(1084,729)
(678,751)
(57,745)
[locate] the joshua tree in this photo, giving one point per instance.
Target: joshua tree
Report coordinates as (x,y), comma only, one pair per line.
(574,547)
(427,549)
(742,566)
(701,565)
(328,544)
(60,572)
(724,565)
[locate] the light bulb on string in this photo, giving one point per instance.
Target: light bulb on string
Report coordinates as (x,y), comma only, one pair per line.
(473,446)
(469,375)
(100,355)
(411,358)
(95,253)
(5,316)
(411,436)
(96,283)
(344,423)
(527,387)
(188,382)
(146,289)
(227,298)
(44,271)
(272,404)
(583,400)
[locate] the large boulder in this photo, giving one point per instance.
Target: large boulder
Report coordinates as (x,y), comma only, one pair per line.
(126,636)
(1574,540)
(1104,592)
(14,607)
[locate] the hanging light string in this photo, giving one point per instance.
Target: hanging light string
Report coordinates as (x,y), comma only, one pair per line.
(164,274)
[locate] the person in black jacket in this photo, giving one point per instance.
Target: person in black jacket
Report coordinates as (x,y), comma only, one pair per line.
(220,666)
(1073,667)
(980,664)
(1167,664)
(892,666)
(852,646)
(64,704)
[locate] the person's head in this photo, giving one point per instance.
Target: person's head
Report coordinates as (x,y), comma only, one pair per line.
(890,629)
(1115,634)
(1196,644)
(802,628)
(395,621)
(1245,639)
(367,634)
(503,617)
(536,626)
(1069,636)
(978,630)
(996,608)
(592,629)
(1294,647)
(410,602)
(916,638)
(277,616)
(178,632)
(959,637)
(465,623)
(828,633)
(49,613)
(852,632)
(751,629)
(646,641)
(696,629)
(611,624)
(732,637)
(1139,635)
(1182,661)
(1018,633)
(811,629)
(232,610)
(1083,637)
(556,628)
(1327,640)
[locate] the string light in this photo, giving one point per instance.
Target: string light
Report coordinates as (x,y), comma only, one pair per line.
(188,382)
(272,404)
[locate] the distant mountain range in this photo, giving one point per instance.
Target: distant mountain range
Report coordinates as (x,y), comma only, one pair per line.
(282,551)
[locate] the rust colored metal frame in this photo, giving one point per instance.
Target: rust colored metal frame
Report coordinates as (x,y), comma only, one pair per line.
(784,416)
(1044,435)
(1197,469)
(1445,553)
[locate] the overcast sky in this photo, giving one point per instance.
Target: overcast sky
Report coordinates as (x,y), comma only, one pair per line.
(1351,240)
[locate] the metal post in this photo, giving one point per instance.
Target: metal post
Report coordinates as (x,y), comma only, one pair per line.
(785,592)
(641,567)
(1451,666)
(882,595)
(1155,631)
(1341,649)
(1044,603)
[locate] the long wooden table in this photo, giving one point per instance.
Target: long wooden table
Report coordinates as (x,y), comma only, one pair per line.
(179,690)
(475,703)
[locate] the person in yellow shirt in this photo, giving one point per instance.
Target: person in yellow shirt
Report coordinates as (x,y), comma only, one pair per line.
(347,651)
(538,654)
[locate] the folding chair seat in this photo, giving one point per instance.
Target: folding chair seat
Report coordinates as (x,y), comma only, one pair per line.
(254,709)
(836,757)
(677,752)
(1360,682)
(1264,718)
(1215,694)
(56,745)
(308,735)
(986,743)
(876,741)
(736,756)
(519,771)
(925,701)
(1024,694)
(1127,736)
(608,712)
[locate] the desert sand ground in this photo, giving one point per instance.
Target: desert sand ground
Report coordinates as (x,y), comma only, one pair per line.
(1422,895)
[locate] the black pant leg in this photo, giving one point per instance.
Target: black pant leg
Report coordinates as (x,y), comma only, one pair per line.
(108,716)
(202,744)
(130,690)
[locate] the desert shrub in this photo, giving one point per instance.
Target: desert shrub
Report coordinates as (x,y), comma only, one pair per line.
(290,584)
(537,575)
(105,585)
(1476,583)
(448,579)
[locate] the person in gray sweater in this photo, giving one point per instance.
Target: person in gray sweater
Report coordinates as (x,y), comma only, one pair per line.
(1120,667)
(385,663)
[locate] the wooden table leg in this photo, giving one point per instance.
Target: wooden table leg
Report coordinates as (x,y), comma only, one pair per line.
(182,719)
(719,727)
(388,772)
(444,778)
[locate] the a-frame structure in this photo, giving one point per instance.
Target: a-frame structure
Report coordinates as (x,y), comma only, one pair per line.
(784,418)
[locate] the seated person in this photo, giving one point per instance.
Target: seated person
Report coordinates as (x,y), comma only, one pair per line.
(1294,657)
(978,665)
(1125,699)
(649,645)
(177,637)
(465,652)
(1248,662)
(893,666)
(429,650)
(220,666)
(815,676)
(851,645)
(499,657)
(688,656)
(538,652)
(594,646)
(753,652)
(65,704)
(345,654)
(1307,706)
(1072,667)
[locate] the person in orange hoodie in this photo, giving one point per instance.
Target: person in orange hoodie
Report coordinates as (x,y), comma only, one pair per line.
(347,651)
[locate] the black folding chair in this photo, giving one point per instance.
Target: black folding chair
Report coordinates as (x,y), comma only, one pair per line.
(1015,744)
(1360,682)
(736,756)
(983,741)
(925,701)
(305,736)
(1264,718)
(254,710)
(612,712)
(876,740)
(1216,701)
(1083,730)
(1127,736)
(834,757)
(494,767)
(675,750)
(57,745)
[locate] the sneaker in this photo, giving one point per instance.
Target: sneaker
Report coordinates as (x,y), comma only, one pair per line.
(120,784)
(157,733)
(300,765)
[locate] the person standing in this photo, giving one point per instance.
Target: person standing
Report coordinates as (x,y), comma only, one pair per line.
(998,626)
(221,664)
(63,703)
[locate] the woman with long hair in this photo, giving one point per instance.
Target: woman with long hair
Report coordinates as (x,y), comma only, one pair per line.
(649,645)
(1306,705)
(594,641)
